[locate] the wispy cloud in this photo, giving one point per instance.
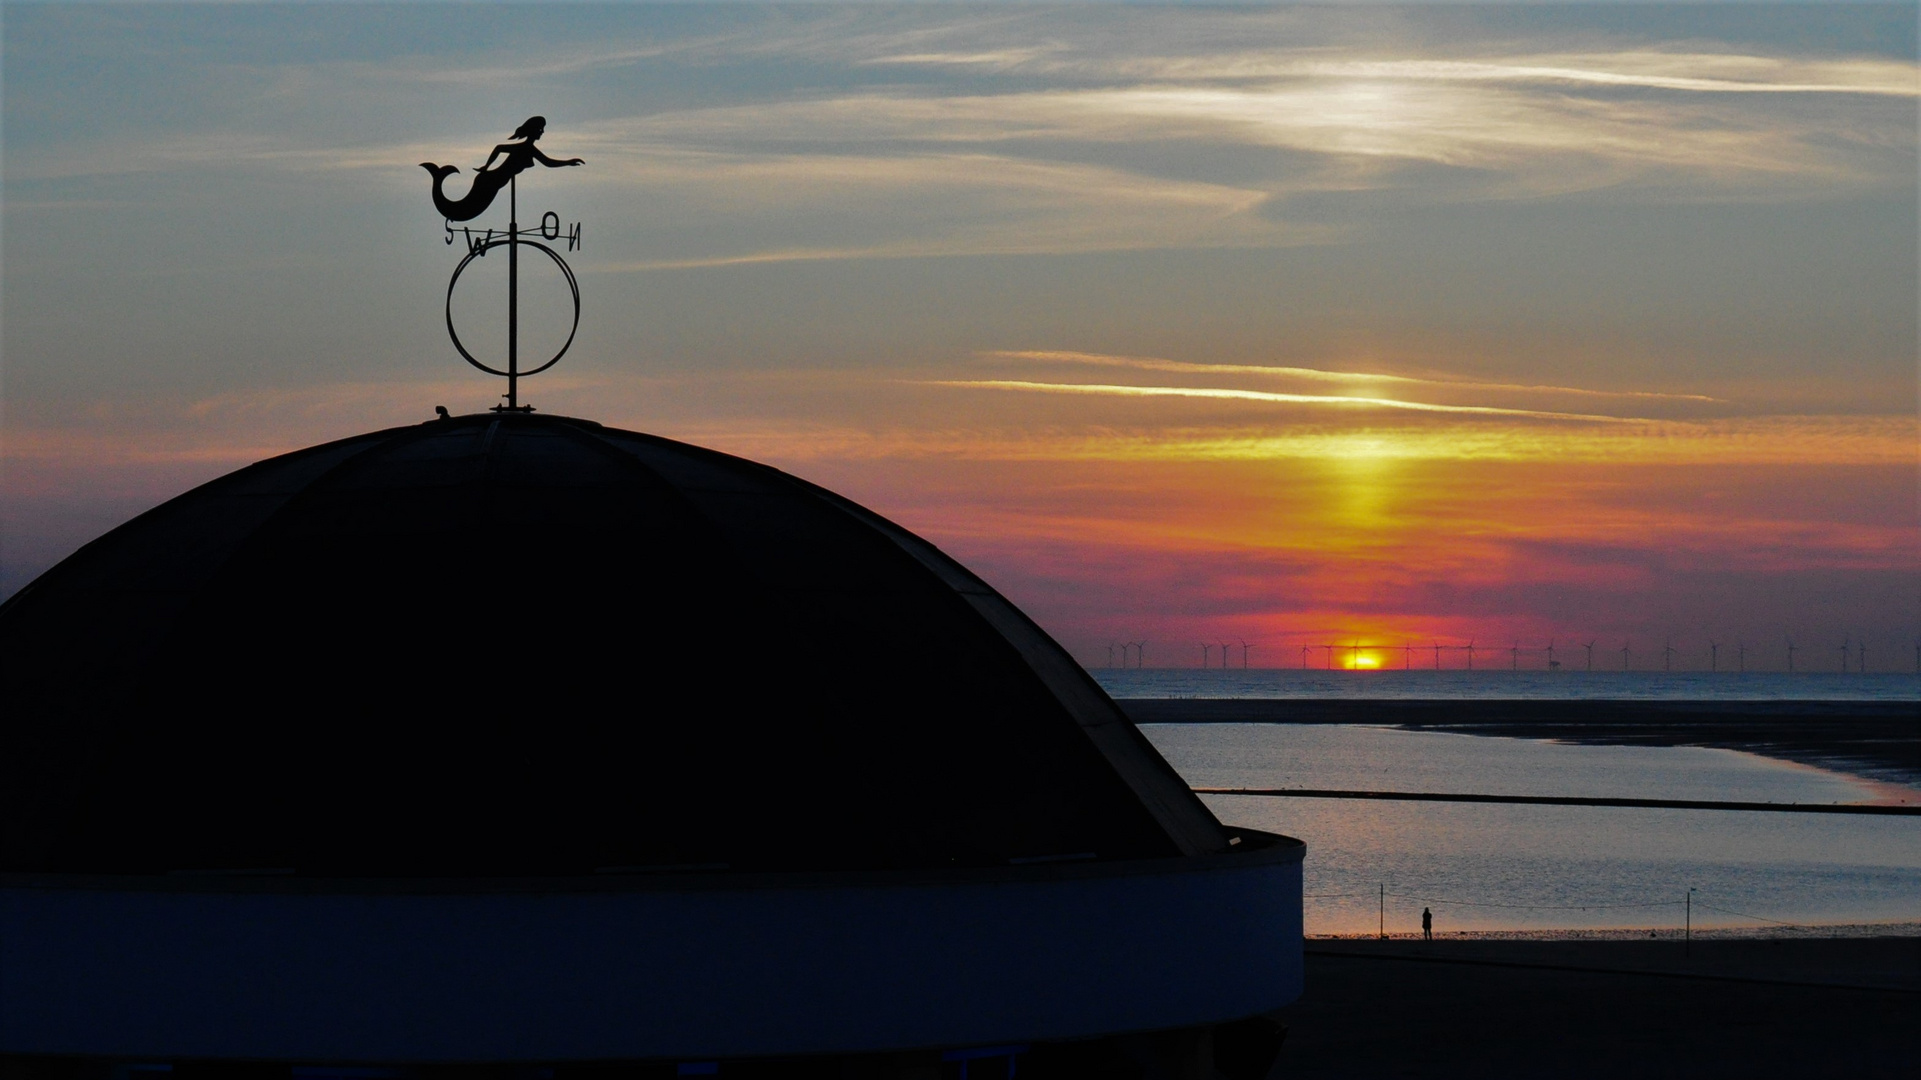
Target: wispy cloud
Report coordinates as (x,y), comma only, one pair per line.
(1478,123)
(1655,69)
(1542,120)
(803,207)
(999,59)
(1694,72)
(1148,363)
(1220,394)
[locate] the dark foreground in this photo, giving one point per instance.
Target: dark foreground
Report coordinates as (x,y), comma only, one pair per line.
(1808,1008)
(1880,739)
(1488,1010)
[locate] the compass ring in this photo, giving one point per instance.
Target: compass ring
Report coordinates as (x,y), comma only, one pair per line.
(573,287)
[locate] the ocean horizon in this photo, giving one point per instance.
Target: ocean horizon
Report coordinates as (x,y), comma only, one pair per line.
(1455,684)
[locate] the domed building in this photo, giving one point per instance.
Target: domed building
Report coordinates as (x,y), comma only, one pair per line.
(519,739)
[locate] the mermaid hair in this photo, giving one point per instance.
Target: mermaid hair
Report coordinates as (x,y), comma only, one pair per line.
(527,130)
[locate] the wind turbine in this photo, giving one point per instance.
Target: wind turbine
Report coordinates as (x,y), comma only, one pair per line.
(1470,654)
(1223,656)
(1552,664)
(1864,656)
(1306,648)
(1624,654)
(1714,655)
(1330,655)
(1845,644)
(1515,653)
(1437,655)
(1667,655)
(1790,642)
(1140,654)
(1244,647)
(1407,654)
(1206,651)
(1110,654)
(1741,655)
(1590,655)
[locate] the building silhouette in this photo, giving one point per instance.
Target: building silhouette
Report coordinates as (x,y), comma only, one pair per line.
(393,751)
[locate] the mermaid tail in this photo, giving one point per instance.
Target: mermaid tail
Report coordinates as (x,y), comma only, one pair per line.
(479,196)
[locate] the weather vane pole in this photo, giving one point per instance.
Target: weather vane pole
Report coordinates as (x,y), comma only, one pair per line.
(515,156)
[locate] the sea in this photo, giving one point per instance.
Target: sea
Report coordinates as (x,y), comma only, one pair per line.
(1553,871)
(1417,683)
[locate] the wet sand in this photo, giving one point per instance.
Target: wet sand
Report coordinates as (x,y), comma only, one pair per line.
(1802,1008)
(1876,739)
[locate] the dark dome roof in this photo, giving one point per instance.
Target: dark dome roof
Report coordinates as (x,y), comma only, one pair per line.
(517,645)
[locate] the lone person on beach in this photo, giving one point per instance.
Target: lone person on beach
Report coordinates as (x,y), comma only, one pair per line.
(1427,924)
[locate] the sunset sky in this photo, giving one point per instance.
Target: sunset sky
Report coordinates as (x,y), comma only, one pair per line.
(1504,323)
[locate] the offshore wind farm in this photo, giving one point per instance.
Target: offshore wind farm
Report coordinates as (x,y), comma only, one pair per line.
(1375,655)
(1394,682)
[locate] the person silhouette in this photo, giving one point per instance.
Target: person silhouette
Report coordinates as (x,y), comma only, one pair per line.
(1427,924)
(516,156)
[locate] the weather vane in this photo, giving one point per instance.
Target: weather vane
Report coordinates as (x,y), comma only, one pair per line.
(515,156)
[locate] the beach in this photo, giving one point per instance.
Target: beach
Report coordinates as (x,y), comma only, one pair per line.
(1842,1007)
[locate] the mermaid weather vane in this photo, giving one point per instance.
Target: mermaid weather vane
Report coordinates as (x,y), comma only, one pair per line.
(515,156)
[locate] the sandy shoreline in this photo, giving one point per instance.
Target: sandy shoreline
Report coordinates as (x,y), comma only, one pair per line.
(1453,1008)
(1780,931)
(1882,962)
(1880,740)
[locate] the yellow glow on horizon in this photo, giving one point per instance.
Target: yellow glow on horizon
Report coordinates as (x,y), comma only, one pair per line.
(1365,477)
(1800,440)
(1363,661)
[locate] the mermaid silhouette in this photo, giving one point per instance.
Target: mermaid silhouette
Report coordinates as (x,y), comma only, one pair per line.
(520,155)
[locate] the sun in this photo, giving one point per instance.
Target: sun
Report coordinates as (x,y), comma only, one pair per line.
(1364,662)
